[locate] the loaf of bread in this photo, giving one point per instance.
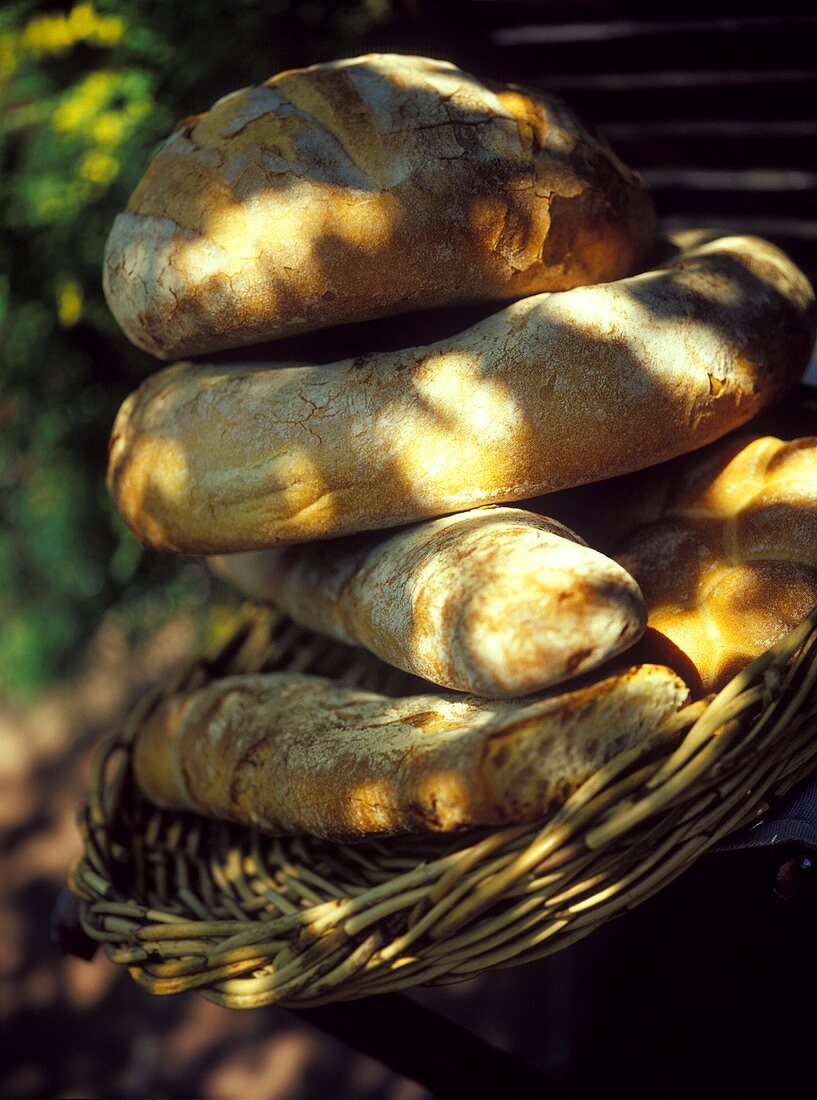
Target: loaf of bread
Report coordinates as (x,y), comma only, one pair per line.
(728,564)
(493,601)
(300,754)
(362,188)
(551,391)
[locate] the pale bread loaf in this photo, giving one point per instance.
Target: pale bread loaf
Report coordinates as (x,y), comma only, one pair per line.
(300,754)
(362,188)
(552,391)
(494,601)
(728,564)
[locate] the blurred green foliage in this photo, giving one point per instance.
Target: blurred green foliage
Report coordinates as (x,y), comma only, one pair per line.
(86,92)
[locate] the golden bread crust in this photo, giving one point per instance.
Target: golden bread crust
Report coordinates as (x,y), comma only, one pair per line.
(300,754)
(360,189)
(552,391)
(729,563)
(494,601)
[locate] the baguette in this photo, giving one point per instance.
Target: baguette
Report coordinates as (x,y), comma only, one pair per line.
(550,392)
(359,189)
(494,601)
(290,753)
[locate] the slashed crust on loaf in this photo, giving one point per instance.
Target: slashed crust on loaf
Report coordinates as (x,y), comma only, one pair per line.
(728,563)
(552,391)
(359,189)
(494,601)
(300,754)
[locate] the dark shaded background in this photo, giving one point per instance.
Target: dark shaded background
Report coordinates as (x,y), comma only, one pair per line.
(86,93)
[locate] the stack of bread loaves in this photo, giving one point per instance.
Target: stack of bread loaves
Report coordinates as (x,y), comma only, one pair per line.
(381,186)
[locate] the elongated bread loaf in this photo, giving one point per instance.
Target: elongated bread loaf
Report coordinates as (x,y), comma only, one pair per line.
(494,601)
(362,188)
(552,391)
(728,563)
(301,754)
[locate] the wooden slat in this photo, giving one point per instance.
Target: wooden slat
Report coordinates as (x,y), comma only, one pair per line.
(757,44)
(652,96)
(678,197)
(548,34)
(798,232)
(717,143)
(769,181)
(483,15)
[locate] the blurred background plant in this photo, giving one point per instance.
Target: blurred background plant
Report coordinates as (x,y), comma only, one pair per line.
(87,90)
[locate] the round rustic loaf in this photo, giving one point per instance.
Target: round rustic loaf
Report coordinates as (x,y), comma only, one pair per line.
(494,601)
(552,391)
(726,555)
(359,189)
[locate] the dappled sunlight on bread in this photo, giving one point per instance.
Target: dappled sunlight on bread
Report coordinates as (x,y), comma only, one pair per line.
(729,563)
(293,753)
(494,601)
(582,385)
(363,188)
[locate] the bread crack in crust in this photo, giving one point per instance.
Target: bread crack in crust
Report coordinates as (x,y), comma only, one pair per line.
(553,391)
(291,753)
(360,189)
(494,601)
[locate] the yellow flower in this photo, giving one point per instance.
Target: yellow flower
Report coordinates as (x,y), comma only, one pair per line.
(108,128)
(57,33)
(47,34)
(108,30)
(98,167)
(82,21)
(97,86)
(9,54)
(67,117)
(82,102)
(69,303)
(138,109)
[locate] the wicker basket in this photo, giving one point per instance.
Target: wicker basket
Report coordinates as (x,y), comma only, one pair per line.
(248,920)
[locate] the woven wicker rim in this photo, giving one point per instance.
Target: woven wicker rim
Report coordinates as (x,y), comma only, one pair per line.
(248,920)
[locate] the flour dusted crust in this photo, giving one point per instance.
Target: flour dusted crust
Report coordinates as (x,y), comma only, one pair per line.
(300,754)
(359,189)
(552,391)
(494,601)
(728,563)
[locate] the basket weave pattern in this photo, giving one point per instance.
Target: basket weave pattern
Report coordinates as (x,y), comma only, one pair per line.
(249,920)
